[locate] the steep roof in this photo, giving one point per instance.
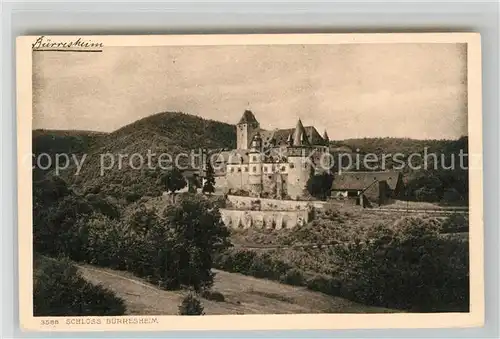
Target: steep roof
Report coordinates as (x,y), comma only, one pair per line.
(247,118)
(313,136)
(281,136)
(325,136)
(300,135)
(361,180)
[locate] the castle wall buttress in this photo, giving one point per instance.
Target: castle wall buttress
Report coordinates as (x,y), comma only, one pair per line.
(298,174)
(237,177)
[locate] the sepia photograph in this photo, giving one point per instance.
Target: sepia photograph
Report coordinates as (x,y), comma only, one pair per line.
(291,175)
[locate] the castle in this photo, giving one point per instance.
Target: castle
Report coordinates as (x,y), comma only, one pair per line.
(271,163)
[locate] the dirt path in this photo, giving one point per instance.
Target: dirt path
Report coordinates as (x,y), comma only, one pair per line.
(243,295)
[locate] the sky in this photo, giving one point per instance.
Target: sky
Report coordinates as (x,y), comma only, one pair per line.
(351,91)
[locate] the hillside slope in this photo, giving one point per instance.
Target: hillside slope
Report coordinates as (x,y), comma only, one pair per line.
(52,142)
(243,295)
(406,146)
(64,141)
(163,133)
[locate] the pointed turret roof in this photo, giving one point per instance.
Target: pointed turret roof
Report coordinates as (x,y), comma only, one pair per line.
(300,135)
(325,136)
(247,118)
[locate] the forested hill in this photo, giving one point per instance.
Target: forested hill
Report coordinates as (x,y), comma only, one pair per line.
(64,141)
(402,145)
(163,133)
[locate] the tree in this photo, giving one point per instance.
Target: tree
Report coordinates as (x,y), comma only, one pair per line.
(174,181)
(142,219)
(425,193)
(191,305)
(319,185)
(195,232)
(209,185)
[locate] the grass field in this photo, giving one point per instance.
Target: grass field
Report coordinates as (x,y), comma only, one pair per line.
(243,295)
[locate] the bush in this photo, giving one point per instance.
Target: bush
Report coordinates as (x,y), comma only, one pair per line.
(191,305)
(407,267)
(213,295)
(293,277)
(455,223)
(106,242)
(324,284)
(60,290)
(426,194)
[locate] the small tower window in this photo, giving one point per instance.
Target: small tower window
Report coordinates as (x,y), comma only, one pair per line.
(254,169)
(239,169)
(292,166)
(283,168)
(246,169)
(265,169)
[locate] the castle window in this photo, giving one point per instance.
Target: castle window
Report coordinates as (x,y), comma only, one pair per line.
(283,168)
(254,158)
(292,165)
(265,169)
(239,169)
(270,177)
(232,170)
(254,169)
(246,169)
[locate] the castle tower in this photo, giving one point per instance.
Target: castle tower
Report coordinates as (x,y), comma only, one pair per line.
(255,165)
(300,135)
(299,172)
(245,129)
(299,169)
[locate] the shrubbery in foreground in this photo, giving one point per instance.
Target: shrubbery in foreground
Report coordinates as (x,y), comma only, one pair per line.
(60,290)
(407,266)
(190,305)
(172,250)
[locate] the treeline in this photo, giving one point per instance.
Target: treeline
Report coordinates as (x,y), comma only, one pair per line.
(408,266)
(394,145)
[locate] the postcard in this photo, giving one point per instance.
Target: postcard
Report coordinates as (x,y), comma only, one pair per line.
(250,182)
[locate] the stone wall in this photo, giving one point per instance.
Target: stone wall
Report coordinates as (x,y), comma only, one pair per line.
(238,219)
(239,202)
